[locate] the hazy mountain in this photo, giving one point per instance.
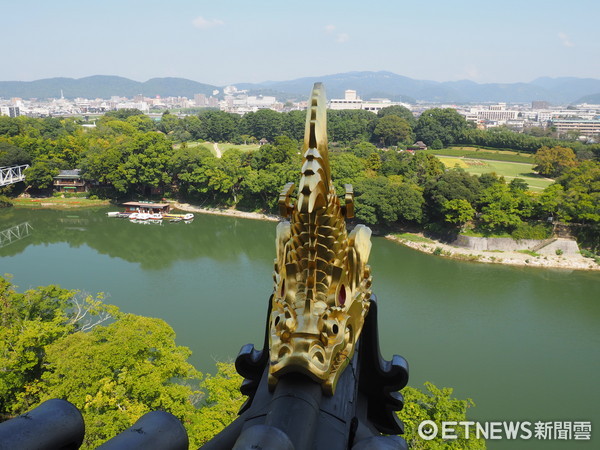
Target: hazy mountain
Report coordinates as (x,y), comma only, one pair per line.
(390,85)
(593,99)
(103,86)
(367,84)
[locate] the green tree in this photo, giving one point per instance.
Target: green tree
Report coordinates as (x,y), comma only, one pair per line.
(518,184)
(40,175)
(123,114)
(114,374)
(458,211)
(580,200)
(554,161)
(346,168)
(374,162)
(264,123)
(220,404)
(501,209)
(29,323)
(437,405)
(219,126)
(422,168)
(455,184)
(168,123)
(446,125)
(437,145)
(147,163)
(142,123)
(11,155)
(382,202)
(8,126)
(400,111)
(363,149)
(391,130)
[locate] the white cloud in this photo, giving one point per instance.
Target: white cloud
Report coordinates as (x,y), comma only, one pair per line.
(329,29)
(342,37)
(204,24)
(565,40)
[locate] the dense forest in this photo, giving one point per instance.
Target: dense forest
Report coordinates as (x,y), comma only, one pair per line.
(129,155)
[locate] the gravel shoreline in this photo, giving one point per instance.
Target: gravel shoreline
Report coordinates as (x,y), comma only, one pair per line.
(225,212)
(448,251)
(506,257)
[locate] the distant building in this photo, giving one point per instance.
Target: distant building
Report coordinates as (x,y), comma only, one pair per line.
(419,145)
(585,127)
(200,100)
(142,106)
(70,181)
(10,111)
(352,101)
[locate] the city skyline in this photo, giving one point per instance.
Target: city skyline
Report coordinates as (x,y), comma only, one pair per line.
(234,41)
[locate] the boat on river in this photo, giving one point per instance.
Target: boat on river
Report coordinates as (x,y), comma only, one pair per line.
(147,211)
(145,216)
(186,217)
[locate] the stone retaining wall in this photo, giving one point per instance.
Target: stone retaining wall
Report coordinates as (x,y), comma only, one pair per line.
(567,246)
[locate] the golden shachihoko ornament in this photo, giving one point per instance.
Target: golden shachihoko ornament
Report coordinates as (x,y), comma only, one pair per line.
(322,280)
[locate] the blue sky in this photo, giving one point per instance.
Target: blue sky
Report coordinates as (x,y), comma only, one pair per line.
(224,42)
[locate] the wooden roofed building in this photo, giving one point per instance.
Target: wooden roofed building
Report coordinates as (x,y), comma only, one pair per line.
(147,207)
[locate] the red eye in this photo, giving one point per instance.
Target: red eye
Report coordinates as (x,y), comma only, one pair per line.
(342,295)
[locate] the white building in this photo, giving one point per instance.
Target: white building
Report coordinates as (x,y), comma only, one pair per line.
(352,101)
(10,111)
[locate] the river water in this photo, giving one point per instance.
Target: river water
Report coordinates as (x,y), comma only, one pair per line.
(522,342)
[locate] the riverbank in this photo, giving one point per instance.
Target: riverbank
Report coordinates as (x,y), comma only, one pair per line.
(58,202)
(415,241)
(514,258)
(224,212)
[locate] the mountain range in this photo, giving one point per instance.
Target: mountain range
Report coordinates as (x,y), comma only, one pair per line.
(564,90)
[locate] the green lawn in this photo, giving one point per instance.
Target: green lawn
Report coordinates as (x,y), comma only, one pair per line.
(508,170)
(223,146)
(192,144)
(476,153)
(243,147)
(413,238)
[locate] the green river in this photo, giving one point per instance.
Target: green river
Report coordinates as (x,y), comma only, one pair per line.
(523,343)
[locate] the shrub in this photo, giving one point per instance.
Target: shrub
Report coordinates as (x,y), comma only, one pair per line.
(528,231)
(559,251)
(5,201)
(438,251)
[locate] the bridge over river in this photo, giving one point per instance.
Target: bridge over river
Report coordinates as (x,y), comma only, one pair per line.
(11,175)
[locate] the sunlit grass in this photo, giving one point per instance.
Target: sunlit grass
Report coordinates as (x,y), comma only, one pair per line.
(508,170)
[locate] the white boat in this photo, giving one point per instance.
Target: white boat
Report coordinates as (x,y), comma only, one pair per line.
(139,216)
(147,222)
(113,214)
(155,216)
(188,216)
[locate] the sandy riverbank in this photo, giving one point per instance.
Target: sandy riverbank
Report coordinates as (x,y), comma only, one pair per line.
(57,202)
(577,262)
(224,212)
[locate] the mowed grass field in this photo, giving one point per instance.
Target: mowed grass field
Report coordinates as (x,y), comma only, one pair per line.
(480,153)
(223,147)
(508,170)
(243,147)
